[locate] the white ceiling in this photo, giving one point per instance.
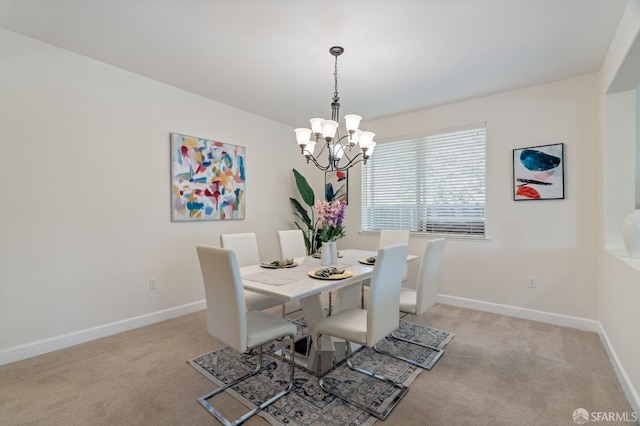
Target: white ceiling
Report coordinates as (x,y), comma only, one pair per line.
(272,58)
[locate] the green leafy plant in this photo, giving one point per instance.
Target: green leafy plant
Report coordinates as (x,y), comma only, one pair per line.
(309,226)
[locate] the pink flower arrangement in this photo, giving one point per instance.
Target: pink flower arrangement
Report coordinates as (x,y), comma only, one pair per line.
(330,218)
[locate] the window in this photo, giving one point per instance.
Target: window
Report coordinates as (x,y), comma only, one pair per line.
(433,184)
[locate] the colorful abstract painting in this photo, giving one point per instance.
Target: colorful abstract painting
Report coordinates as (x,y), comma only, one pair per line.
(207,179)
(336,186)
(538,173)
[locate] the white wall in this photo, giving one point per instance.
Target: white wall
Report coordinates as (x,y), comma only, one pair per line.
(85,219)
(85,207)
(619,280)
(553,240)
(619,163)
(637,146)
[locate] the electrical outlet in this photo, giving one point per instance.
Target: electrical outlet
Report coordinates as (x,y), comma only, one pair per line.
(533,282)
(152,284)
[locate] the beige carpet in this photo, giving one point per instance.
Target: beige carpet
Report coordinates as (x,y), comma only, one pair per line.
(497,371)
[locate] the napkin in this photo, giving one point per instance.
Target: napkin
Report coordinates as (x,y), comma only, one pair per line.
(327,272)
(371,259)
(285,262)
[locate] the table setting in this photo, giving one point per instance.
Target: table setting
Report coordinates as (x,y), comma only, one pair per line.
(276,264)
(330,273)
(368,261)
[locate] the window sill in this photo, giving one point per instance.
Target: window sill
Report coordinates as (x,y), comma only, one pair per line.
(624,256)
(459,237)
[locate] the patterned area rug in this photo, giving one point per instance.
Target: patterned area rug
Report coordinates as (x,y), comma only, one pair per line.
(307,404)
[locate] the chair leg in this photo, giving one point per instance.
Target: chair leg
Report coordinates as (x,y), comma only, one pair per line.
(211,409)
(380,415)
(428,366)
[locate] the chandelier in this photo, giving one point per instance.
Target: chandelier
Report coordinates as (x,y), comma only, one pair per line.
(326,133)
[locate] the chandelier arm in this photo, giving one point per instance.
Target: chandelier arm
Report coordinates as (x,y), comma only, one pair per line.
(323,144)
(353,161)
(348,144)
(318,165)
(347,157)
(357,159)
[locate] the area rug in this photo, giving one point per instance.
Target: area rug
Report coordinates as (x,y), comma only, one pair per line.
(307,404)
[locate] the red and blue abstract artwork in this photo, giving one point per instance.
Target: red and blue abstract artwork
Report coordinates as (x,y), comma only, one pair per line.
(538,172)
(207,179)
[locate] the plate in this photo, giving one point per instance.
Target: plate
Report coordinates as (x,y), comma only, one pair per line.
(318,255)
(346,274)
(366,262)
(270,266)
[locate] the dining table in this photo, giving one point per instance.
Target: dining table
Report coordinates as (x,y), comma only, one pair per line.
(297,281)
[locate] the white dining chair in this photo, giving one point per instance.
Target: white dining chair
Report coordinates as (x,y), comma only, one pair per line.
(292,246)
(368,326)
(417,301)
(245,245)
(229,322)
(389,237)
(291,243)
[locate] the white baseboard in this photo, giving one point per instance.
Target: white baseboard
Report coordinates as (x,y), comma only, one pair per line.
(18,353)
(524,313)
(623,378)
(555,319)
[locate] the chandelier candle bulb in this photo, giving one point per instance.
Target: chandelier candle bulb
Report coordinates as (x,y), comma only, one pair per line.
(365,139)
(303,136)
(329,128)
(352,122)
(308,150)
(354,137)
(369,152)
(316,126)
(338,151)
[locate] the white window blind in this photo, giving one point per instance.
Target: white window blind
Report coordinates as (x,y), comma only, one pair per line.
(432,184)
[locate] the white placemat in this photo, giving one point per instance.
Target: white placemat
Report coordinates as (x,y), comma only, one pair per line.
(270,278)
